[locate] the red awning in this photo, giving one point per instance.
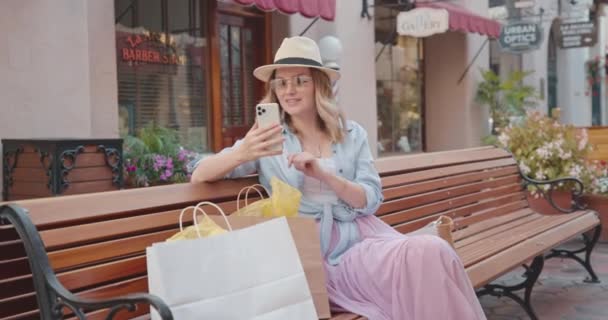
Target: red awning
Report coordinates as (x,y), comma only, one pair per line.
(463,20)
(325,9)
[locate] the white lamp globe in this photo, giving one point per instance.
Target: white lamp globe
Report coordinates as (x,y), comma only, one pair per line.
(331,50)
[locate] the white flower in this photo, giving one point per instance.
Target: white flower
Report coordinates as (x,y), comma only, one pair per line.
(582,143)
(575,171)
(544,152)
(503,139)
(524,168)
(540,174)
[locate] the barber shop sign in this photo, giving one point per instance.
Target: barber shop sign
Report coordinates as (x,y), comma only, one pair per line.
(520,37)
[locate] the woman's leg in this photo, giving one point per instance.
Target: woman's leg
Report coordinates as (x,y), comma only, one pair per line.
(399,277)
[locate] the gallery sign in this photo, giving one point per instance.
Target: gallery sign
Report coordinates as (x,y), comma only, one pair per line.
(422,22)
(520,37)
(576,34)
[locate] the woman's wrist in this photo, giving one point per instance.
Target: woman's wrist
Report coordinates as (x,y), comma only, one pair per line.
(239,156)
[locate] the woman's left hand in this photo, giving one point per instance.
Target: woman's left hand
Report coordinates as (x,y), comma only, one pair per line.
(307,164)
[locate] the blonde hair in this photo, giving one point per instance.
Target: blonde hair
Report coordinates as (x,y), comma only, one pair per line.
(330,117)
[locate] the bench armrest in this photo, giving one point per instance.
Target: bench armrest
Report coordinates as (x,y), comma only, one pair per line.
(577,191)
(52,296)
(127,302)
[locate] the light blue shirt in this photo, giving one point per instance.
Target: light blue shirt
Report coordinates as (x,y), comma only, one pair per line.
(354,162)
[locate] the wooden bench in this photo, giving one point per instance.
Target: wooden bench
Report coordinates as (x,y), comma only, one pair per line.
(96,242)
(598,138)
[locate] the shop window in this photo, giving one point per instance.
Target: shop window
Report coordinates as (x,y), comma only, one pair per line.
(240,90)
(399,88)
(162,59)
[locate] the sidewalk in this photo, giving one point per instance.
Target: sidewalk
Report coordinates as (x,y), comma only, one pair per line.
(560,292)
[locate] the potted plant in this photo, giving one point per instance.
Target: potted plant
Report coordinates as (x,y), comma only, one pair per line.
(596,197)
(507,98)
(546,149)
(155,157)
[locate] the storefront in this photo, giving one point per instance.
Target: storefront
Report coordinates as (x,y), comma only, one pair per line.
(399,86)
(186,65)
(421,78)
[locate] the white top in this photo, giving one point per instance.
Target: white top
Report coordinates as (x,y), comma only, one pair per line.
(316,191)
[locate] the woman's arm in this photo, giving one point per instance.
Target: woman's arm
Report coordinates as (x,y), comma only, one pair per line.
(366,175)
(217,166)
(255,145)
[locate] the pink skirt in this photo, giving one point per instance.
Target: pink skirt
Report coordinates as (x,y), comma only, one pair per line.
(398,277)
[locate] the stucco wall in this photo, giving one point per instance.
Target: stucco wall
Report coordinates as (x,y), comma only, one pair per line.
(57,69)
(102,68)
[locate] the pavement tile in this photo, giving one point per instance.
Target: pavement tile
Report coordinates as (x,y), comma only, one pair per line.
(560,293)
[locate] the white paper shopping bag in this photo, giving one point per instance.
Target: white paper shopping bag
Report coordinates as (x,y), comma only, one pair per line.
(251,273)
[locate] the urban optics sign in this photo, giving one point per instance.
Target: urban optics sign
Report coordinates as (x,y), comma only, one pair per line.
(422,22)
(519,37)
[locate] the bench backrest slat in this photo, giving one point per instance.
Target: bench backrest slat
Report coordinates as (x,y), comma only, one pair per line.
(77,209)
(96,242)
(105,251)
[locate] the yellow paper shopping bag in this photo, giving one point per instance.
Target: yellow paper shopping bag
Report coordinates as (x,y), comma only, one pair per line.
(285,198)
(201,229)
(285,201)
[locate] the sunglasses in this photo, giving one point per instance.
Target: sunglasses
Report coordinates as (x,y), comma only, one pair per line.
(282,84)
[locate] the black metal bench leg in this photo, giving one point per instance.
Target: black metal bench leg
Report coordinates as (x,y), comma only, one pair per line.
(532,273)
(588,248)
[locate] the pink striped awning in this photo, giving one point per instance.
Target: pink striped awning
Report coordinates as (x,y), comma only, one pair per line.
(325,9)
(465,21)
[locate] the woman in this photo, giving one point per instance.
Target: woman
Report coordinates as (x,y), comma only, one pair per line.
(372,270)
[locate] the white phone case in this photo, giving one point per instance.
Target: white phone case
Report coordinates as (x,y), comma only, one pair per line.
(267,114)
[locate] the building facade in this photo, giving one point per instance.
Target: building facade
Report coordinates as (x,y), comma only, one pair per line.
(561,75)
(102,68)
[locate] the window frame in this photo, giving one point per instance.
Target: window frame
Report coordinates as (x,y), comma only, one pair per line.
(209,15)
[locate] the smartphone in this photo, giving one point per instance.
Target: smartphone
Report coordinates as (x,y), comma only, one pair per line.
(267,114)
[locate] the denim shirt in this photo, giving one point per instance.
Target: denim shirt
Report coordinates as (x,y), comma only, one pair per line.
(354,162)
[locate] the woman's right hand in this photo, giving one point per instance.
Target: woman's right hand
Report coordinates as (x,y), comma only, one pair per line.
(259,142)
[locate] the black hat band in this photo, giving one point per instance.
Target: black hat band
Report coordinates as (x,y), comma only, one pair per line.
(303,61)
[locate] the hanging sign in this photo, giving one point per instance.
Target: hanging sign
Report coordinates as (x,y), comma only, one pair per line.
(520,37)
(422,22)
(149,48)
(576,34)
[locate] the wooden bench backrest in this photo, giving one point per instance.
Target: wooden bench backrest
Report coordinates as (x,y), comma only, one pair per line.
(468,185)
(598,138)
(96,242)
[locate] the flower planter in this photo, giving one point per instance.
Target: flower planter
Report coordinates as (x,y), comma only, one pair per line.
(541,205)
(599,204)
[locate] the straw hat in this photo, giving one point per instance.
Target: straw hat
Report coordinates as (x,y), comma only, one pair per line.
(296,52)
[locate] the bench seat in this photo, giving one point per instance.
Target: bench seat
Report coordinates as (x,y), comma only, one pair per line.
(96,242)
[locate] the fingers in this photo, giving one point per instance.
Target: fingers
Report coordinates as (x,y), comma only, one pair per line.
(301,161)
(271,143)
(255,126)
(270,153)
(259,131)
(268,134)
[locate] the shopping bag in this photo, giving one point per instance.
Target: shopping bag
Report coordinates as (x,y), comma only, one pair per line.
(251,273)
(442,227)
(304,232)
(205,228)
(284,201)
(259,208)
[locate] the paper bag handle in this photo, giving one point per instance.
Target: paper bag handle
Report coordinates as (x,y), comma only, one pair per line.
(246,190)
(198,208)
